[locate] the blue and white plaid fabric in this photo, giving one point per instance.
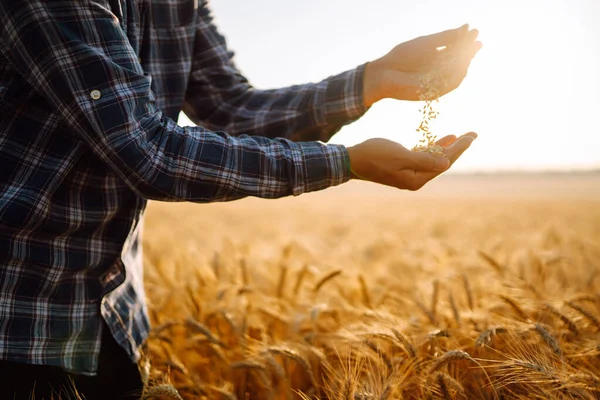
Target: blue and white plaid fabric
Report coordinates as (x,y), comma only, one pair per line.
(89,91)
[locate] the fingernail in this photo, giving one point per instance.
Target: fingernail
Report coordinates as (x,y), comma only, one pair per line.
(442,164)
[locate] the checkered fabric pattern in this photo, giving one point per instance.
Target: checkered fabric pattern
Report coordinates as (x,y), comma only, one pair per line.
(89,91)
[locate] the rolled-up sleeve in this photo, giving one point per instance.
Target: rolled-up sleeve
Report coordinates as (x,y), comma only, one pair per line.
(78,58)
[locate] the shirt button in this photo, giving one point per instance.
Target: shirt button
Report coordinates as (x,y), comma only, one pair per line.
(95,94)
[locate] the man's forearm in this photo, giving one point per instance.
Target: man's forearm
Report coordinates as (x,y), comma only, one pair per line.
(373,83)
(193,164)
(307,112)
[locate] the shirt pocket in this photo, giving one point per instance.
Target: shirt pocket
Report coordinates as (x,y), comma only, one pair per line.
(173,13)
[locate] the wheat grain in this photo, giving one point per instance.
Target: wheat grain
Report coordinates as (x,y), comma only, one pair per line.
(439,333)
(364,290)
(386,360)
(430,94)
(164,390)
(588,315)
(515,307)
(244,272)
(448,386)
(448,357)
(492,262)
(467,286)
(486,336)
(348,389)
(455,312)
(435,297)
(300,279)
(522,358)
(281,283)
(426,311)
(326,279)
(247,365)
(408,346)
(565,320)
(196,326)
(548,338)
(292,355)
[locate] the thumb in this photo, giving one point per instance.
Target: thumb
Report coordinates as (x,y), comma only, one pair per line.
(460,146)
(426,162)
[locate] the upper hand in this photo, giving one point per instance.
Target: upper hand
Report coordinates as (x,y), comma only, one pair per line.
(389,163)
(396,75)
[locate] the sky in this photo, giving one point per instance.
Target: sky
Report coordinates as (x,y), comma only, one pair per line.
(532,93)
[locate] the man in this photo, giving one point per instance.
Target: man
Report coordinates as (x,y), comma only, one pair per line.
(89,93)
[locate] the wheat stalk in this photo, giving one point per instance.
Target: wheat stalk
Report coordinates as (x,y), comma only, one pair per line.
(326,279)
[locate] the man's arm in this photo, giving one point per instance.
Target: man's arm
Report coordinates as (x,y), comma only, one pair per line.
(221,98)
(76,56)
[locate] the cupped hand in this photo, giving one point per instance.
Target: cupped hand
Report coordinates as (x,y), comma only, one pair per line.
(396,74)
(389,163)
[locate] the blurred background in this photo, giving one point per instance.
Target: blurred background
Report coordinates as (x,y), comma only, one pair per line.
(532,93)
(496,246)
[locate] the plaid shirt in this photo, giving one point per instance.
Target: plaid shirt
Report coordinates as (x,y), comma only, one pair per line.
(89,91)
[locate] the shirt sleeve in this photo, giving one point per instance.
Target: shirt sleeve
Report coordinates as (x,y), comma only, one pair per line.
(220,97)
(77,57)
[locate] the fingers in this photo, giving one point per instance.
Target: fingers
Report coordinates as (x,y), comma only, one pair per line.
(446,141)
(448,37)
(463,52)
(415,180)
(468,52)
(453,77)
(467,41)
(389,163)
(469,38)
(473,50)
(460,146)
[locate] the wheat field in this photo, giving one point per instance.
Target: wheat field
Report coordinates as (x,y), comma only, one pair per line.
(476,287)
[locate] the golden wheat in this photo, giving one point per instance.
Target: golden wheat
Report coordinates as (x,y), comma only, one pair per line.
(372,302)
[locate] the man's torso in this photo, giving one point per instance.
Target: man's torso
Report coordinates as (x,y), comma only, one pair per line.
(69,226)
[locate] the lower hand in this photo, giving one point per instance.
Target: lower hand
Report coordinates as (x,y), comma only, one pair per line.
(389,163)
